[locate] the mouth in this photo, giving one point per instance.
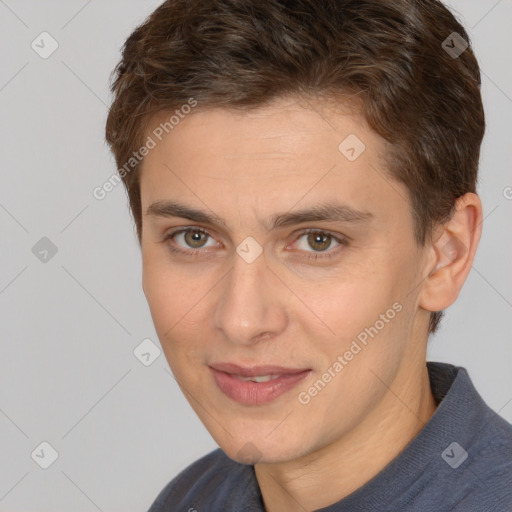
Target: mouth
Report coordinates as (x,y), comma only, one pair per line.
(256,385)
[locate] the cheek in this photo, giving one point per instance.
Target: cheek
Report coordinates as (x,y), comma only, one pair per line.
(347,300)
(364,304)
(177,301)
(170,295)
(158,287)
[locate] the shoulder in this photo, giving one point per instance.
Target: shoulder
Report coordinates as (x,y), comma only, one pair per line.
(486,481)
(476,471)
(209,483)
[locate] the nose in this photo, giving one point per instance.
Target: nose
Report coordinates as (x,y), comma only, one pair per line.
(252,306)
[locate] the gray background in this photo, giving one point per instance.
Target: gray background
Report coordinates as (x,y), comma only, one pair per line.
(69,325)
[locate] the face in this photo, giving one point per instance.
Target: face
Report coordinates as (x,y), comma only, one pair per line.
(273,242)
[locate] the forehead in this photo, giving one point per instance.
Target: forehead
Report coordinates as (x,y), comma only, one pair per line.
(284,128)
(279,155)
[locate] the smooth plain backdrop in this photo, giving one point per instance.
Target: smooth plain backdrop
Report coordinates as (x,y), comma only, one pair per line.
(73,310)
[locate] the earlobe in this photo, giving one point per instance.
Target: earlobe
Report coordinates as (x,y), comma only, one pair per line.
(453,252)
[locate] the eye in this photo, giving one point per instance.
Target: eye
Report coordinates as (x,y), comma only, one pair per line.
(320,242)
(317,240)
(189,238)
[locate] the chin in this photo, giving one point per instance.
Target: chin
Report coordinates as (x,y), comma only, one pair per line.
(260,452)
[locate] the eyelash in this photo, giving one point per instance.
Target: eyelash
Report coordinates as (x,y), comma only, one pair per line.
(198,253)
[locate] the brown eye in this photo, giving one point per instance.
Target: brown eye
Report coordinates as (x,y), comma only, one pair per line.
(195,239)
(319,245)
(189,240)
(319,241)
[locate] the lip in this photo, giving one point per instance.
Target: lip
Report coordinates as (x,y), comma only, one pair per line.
(256,393)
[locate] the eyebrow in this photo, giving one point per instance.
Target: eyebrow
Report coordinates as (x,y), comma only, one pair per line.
(321,212)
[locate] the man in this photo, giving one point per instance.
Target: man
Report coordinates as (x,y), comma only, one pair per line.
(302,179)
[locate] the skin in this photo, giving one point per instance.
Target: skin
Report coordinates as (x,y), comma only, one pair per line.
(287,310)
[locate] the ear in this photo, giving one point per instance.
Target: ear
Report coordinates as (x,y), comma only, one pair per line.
(451,254)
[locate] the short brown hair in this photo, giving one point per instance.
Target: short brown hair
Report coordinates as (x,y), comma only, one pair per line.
(393,54)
